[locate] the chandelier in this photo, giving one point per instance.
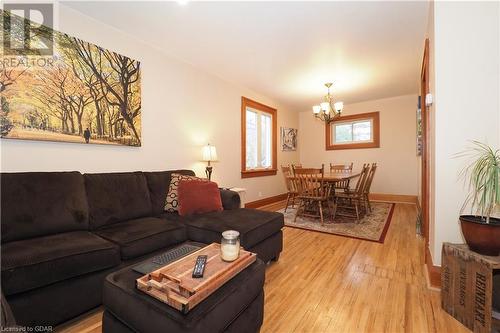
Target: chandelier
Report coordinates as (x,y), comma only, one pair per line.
(327,111)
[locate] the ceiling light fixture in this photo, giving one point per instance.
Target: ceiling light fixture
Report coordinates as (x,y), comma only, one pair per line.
(328,110)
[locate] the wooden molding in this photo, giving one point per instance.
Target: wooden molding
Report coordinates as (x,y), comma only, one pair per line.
(373,196)
(413,199)
(426,158)
(433,272)
(374,116)
(246,102)
(258,173)
(266,201)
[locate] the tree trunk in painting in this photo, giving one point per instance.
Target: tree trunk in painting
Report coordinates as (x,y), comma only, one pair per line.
(127,71)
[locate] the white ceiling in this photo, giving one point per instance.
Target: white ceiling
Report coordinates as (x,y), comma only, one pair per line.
(285,50)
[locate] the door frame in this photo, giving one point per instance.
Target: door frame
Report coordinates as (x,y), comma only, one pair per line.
(424,90)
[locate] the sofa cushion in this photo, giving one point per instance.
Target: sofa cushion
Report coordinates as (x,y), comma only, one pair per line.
(36,262)
(42,203)
(116,197)
(254,225)
(197,197)
(158,184)
(144,235)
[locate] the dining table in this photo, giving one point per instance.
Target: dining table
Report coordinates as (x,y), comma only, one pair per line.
(332,177)
(340,176)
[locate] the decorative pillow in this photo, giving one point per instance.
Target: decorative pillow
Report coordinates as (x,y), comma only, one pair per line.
(198,196)
(171,202)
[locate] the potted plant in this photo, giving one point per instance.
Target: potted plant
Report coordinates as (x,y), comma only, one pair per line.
(480,229)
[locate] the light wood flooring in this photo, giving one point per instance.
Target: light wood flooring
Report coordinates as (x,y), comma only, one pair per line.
(328,283)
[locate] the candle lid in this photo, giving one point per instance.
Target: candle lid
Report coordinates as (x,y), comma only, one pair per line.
(230,234)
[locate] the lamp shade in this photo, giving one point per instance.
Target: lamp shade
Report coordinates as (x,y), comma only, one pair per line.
(316,109)
(339,106)
(325,106)
(209,153)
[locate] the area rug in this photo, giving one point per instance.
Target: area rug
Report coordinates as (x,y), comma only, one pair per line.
(372,227)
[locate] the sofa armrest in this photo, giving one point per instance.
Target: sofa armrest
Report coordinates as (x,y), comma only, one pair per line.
(230,199)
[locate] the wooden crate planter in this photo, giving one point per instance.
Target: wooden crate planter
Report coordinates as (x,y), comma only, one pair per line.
(467,286)
(173,284)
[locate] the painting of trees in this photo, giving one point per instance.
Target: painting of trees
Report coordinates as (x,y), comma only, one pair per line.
(82,93)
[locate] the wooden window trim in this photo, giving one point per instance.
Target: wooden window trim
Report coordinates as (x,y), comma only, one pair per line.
(375,116)
(246,102)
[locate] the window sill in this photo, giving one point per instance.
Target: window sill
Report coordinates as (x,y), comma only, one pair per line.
(353,146)
(258,173)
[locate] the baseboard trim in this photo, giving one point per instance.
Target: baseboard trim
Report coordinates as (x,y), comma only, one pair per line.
(373,196)
(266,201)
(433,272)
(394,198)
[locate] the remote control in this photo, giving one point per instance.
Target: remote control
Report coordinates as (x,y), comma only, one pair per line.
(199,266)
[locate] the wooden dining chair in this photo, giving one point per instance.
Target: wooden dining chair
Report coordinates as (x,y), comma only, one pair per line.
(290,185)
(354,198)
(368,185)
(313,192)
(339,168)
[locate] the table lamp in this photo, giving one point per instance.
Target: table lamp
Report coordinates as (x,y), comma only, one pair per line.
(209,155)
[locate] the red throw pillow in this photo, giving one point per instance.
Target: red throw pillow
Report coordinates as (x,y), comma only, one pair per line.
(198,196)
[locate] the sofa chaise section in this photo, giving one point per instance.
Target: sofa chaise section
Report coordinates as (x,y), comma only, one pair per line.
(260,231)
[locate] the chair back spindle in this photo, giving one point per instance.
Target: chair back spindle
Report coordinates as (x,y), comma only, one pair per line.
(360,185)
(310,182)
(341,167)
(290,185)
(287,173)
(369,179)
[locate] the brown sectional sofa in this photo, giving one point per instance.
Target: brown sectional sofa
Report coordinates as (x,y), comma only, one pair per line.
(64,232)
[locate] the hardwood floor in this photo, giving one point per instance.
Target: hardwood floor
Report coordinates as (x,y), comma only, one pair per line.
(328,283)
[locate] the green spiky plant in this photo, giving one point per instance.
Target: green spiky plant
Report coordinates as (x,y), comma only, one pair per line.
(482,177)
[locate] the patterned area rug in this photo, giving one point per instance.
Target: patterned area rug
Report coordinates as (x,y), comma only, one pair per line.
(372,227)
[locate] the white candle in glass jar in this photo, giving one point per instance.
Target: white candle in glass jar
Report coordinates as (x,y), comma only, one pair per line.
(230,245)
(230,252)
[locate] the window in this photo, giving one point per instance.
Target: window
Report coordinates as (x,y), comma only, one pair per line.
(354,131)
(258,139)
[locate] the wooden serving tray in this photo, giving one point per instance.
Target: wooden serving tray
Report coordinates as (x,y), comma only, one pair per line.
(173,284)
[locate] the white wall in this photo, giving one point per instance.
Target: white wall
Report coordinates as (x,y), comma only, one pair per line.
(183,109)
(467,88)
(396,157)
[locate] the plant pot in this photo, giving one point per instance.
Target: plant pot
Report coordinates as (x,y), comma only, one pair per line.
(481,237)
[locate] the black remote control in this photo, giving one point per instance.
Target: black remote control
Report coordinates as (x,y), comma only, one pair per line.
(199,267)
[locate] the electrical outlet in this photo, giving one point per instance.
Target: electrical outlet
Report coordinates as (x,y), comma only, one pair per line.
(260,194)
